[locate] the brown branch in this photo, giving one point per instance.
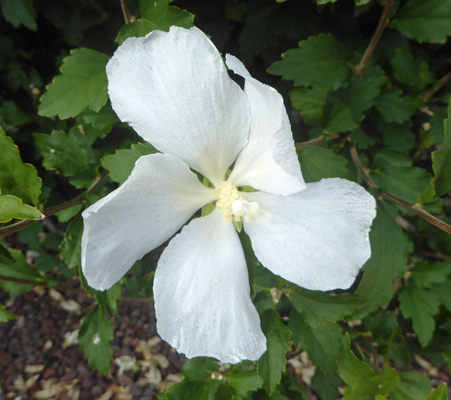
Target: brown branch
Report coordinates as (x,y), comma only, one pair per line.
(126,12)
(318,140)
(415,208)
(383,22)
(436,87)
(9,229)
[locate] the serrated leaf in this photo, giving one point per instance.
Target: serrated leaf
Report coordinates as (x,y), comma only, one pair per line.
(188,389)
(106,298)
(62,152)
(19,12)
(17,178)
(273,362)
(397,137)
(322,341)
(320,61)
(11,207)
(70,248)
(426,273)
(5,315)
(424,21)
(363,383)
(13,264)
(420,305)
(395,107)
(441,393)
(94,337)
(309,102)
(121,163)
(318,163)
(318,307)
(155,15)
(393,172)
(389,251)
(82,83)
(345,108)
(413,386)
(11,115)
(326,386)
(243,381)
(412,71)
(199,369)
(441,161)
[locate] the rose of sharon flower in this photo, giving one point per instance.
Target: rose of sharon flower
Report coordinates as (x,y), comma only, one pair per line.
(174,90)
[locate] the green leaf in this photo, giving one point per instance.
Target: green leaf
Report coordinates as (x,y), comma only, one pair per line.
(326,386)
(320,61)
(309,102)
(441,393)
(424,21)
(389,251)
(318,163)
(441,161)
(420,305)
(414,72)
(344,110)
(363,383)
(272,363)
(70,248)
(318,307)
(155,15)
(322,342)
(396,108)
(396,136)
(243,381)
(94,337)
(413,386)
(62,152)
(5,315)
(121,163)
(393,172)
(19,12)
(82,83)
(17,178)
(11,115)
(426,273)
(11,207)
(107,298)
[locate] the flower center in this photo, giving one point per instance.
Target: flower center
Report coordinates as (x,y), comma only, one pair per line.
(232,205)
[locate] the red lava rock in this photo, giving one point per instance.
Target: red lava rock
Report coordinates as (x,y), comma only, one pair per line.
(49,373)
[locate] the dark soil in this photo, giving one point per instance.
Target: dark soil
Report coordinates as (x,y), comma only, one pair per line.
(34,364)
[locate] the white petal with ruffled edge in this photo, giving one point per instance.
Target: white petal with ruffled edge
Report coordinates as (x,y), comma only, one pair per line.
(317,238)
(174,90)
(160,195)
(269,161)
(202,295)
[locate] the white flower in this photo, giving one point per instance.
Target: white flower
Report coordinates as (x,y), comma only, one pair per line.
(174,90)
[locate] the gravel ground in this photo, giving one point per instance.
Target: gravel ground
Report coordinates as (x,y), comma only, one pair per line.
(39,358)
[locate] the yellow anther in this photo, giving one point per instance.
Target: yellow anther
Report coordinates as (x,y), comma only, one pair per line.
(232,205)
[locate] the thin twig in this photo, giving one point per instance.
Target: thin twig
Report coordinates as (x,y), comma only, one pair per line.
(9,229)
(436,87)
(126,12)
(415,208)
(318,140)
(383,22)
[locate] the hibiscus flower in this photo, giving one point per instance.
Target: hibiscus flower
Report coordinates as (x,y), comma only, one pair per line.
(173,88)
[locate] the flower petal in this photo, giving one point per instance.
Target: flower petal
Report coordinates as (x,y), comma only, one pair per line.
(269,161)
(174,90)
(317,238)
(160,195)
(202,295)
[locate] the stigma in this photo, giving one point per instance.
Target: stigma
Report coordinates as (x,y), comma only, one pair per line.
(233,206)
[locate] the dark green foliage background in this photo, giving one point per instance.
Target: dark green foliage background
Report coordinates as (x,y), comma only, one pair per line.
(386,126)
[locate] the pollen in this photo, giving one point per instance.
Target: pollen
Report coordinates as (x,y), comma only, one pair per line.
(233,205)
